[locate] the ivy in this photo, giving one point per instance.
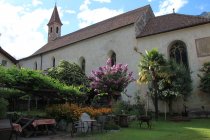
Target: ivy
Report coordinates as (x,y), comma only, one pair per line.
(205,78)
(14,80)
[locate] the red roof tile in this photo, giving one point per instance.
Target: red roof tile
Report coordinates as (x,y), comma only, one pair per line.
(94,30)
(171,22)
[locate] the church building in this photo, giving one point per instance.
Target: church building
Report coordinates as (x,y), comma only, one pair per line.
(183,37)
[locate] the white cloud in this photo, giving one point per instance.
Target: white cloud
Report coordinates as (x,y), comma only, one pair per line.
(166,6)
(36,2)
(103,1)
(88,16)
(149,0)
(84,5)
(20,29)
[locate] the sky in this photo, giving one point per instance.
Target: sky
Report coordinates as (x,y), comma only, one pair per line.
(23,23)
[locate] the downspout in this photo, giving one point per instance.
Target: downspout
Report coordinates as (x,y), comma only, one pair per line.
(41,62)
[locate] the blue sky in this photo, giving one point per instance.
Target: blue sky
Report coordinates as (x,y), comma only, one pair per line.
(23,22)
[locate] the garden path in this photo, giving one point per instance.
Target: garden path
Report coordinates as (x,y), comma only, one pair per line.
(58,136)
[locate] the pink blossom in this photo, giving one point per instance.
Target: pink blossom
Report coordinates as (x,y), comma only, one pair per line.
(111,78)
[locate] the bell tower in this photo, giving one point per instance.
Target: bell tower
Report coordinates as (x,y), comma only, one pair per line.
(54,25)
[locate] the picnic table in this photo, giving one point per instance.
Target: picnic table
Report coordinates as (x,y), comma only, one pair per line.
(44,125)
(33,126)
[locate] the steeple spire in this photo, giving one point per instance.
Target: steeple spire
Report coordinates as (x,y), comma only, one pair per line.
(54,25)
(55,17)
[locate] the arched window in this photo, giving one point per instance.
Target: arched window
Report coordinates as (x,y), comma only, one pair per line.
(53,61)
(82,63)
(178,52)
(57,29)
(35,66)
(113,58)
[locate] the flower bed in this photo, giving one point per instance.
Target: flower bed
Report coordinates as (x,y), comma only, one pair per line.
(72,112)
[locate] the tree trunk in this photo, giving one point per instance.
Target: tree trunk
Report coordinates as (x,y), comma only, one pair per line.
(29,103)
(154,83)
(36,101)
(156,101)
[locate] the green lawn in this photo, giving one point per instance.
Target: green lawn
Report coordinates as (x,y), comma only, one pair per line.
(194,130)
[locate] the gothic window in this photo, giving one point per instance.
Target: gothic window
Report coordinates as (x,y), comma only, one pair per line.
(35,66)
(53,61)
(113,58)
(178,52)
(50,29)
(82,64)
(57,29)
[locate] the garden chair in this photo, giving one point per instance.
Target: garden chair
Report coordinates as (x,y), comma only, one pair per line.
(77,127)
(86,121)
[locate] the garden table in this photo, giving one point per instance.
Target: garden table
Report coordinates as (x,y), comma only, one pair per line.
(46,123)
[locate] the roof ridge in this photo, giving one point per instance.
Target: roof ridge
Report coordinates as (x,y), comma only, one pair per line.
(126,13)
(171,22)
(195,16)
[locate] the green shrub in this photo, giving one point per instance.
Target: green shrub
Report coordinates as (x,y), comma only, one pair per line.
(205,78)
(122,107)
(3,107)
(110,125)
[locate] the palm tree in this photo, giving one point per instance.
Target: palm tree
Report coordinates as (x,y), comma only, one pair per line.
(149,68)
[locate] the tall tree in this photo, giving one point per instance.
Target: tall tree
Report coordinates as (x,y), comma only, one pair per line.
(149,68)
(69,73)
(175,81)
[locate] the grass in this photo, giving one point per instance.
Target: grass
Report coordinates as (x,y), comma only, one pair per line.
(161,130)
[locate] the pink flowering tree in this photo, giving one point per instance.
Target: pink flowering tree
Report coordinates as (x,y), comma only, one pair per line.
(111,79)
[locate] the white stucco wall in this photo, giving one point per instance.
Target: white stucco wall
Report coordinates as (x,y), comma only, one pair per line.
(188,36)
(30,63)
(9,62)
(95,51)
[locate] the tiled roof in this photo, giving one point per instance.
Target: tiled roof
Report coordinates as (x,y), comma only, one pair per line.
(94,30)
(171,22)
(55,17)
(8,55)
